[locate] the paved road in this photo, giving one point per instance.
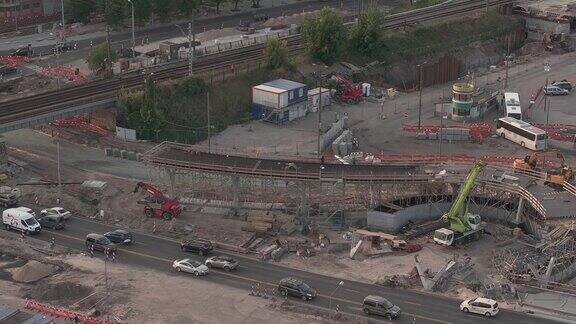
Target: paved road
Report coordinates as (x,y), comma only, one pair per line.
(158,253)
(170,31)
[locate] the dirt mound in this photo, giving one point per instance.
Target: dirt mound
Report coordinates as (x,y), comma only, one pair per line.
(33,271)
(60,292)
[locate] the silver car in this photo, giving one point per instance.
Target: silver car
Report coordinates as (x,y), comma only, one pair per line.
(190,266)
(223,262)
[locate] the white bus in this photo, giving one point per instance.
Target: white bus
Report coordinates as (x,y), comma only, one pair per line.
(512,103)
(522,133)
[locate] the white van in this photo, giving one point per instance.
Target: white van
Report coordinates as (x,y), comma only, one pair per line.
(20,220)
(28,210)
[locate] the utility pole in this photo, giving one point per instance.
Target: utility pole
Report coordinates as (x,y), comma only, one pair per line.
(420,95)
(441,125)
(59,178)
(63,22)
(133,36)
(109,64)
(507,63)
(546,106)
(319,117)
(190,51)
(208,116)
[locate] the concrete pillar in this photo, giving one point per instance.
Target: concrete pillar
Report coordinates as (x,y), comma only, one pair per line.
(519,211)
(235,183)
(548,272)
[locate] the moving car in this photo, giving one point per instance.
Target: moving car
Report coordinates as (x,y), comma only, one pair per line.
(120,237)
(564,84)
(61,48)
(297,288)
(377,305)
(58,211)
(200,246)
(52,221)
(98,242)
(223,262)
(18,219)
(483,306)
(190,266)
(553,90)
(7,70)
(23,51)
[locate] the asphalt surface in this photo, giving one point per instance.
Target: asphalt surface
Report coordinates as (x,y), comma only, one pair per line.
(158,253)
(170,31)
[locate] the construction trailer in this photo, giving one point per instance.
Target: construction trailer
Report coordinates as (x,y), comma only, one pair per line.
(279,101)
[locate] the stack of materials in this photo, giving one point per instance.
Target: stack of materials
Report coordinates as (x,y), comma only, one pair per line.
(269,223)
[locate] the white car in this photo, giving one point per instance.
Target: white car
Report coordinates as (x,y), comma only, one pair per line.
(483,306)
(190,266)
(56,211)
(27,210)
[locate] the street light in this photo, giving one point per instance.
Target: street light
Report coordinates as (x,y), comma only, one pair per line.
(546,108)
(63,23)
(341,283)
(133,37)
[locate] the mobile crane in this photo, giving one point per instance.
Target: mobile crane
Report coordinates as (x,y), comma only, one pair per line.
(464,226)
(158,204)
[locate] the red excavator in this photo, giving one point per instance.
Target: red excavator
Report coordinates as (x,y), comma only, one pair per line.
(158,204)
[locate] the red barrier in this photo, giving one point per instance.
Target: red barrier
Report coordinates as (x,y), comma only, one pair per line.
(13,60)
(70,74)
(81,123)
(560,132)
(478,131)
(64,313)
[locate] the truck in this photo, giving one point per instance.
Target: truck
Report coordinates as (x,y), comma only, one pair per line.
(464,226)
(158,204)
(20,220)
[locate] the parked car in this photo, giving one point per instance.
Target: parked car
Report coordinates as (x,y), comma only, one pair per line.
(563,84)
(27,210)
(23,51)
(98,242)
(200,246)
(297,288)
(223,262)
(52,221)
(57,211)
(20,220)
(552,90)
(380,306)
(7,70)
(120,236)
(483,306)
(61,48)
(190,266)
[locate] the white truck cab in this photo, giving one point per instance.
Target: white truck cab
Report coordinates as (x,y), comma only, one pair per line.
(21,220)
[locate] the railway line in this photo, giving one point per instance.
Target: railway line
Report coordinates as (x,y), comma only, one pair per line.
(54,101)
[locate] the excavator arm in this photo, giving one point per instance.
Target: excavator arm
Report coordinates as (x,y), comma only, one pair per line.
(455,216)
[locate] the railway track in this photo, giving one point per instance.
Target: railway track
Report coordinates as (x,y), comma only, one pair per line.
(54,101)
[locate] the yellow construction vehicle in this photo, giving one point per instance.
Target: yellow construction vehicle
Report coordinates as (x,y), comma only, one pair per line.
(555,174)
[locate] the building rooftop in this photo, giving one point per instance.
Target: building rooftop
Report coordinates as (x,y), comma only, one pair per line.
(284,84)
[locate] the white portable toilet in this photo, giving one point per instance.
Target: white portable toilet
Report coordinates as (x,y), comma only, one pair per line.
(366,89)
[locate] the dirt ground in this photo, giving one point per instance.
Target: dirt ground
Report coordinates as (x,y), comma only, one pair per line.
(79,284)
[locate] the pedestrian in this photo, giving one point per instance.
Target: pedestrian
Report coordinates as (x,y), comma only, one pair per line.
(322,159)
(52,243)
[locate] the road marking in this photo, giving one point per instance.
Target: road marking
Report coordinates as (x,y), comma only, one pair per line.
(264,283)
(353,290)
(412,303)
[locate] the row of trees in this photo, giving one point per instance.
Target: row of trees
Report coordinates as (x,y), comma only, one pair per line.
(115,11)
(326,38)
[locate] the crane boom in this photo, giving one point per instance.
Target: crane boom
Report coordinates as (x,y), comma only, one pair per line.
(456,216)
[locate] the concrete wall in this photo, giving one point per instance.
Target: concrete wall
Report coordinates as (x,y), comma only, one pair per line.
(543,26)
(392,223)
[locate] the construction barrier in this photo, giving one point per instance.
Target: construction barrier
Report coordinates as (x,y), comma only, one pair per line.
(69,74)
(80,123)
(478,131)
(560,132)
(64,313)
(13,61)
(377,157)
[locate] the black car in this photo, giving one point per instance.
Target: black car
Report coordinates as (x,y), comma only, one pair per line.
(7,70)
(120,237)
(23,51)
(97,242)
(297,288)
(52,221)
(61,48)
(200,246)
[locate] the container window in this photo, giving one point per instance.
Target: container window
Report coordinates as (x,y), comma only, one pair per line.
(300,92)
(291,95)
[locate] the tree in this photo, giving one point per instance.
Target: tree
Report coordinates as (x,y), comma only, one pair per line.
(81,10)
(324,36)
(163,8)
(114,12)
(366,35)
(187,7)
(255,3)
(100,58)
(218,3)
(236,5)
(150,118)
(142,11)
(276,53)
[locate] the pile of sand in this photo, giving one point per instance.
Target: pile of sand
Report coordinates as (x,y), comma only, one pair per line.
(60,292)
(33,271)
